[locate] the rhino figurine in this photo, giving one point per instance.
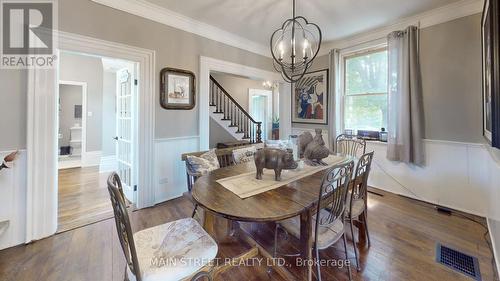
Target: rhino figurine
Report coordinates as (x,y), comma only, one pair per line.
(275,159)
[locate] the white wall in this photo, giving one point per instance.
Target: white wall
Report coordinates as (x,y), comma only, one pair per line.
(456,175)
(170,171)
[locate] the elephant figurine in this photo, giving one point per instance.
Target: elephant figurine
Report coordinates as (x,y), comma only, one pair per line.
(275,159)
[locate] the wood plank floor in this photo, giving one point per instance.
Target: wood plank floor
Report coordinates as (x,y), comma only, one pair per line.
(83,197)
(404,233)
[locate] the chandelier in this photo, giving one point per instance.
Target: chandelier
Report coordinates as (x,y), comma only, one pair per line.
(294,47)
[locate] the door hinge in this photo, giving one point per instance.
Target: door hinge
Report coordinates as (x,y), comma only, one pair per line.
(136,82)
(135,187)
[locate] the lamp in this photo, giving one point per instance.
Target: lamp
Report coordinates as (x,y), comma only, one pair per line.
(294,47)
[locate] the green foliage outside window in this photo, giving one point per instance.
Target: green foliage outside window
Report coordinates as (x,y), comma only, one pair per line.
(365,106)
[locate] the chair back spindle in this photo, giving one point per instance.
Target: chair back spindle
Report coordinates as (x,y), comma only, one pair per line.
(333,194)
(122,221)
(360,182)
(350,145)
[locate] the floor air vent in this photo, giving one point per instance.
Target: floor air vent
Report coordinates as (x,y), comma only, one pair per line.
(458,261)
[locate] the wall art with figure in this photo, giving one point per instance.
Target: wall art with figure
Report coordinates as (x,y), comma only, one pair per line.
(310,98)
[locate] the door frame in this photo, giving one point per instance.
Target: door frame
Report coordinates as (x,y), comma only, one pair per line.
(84,116)
(41,203)
(269,94)
(208,65)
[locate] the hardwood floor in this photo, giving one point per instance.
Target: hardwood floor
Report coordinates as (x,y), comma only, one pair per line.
(404,233)
(83,198)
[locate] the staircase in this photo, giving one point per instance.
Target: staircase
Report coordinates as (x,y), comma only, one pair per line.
(231,116)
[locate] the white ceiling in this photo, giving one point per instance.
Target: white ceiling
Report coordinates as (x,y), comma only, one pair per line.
(257,19)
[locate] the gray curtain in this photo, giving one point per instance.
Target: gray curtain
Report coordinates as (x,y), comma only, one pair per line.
(333,105)
(405,111)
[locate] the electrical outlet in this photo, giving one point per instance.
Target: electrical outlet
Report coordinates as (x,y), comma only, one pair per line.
(164,181)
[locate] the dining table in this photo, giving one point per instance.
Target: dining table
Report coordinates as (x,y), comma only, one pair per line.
(297,198)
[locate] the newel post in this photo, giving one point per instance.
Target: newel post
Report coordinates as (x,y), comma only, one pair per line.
(259,132)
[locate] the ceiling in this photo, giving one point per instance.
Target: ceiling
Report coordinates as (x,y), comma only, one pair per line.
(257,19)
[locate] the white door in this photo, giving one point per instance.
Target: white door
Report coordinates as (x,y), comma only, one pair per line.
(260,105)
(125,132)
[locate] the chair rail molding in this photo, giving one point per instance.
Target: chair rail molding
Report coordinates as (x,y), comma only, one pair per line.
(168,17)
(41,218)
(207,65)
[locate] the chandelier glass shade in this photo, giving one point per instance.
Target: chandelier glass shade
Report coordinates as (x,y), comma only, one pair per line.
(294,47)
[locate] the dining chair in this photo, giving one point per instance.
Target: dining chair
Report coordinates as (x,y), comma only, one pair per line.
(350,145)
(178,250)
(328,228)
(357,199)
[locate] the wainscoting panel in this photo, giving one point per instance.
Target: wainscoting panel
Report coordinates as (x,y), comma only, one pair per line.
(456,175)
(13,201)
(108,164)
(170,171)
(91,158)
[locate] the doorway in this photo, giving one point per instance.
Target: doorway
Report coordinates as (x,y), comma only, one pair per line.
(72,123)
(260,105)
(97,135)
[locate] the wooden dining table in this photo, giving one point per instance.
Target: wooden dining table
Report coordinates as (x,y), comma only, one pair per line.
(298,198)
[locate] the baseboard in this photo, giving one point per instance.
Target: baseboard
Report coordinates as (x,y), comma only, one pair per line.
(91,158)
(108,164)
(494,244)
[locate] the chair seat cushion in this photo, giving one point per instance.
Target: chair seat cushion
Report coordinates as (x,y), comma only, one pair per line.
(358,207)
(328,234)
(173,251)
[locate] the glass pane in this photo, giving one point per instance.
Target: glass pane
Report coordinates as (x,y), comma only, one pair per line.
(366,112)
(367,73)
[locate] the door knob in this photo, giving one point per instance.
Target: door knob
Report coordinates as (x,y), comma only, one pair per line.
(115,138)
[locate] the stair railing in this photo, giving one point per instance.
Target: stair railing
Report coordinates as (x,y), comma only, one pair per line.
(232,111)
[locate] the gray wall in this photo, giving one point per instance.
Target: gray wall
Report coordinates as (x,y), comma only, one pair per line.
(13,105)
(451,77)
(87,69)
(450,55)
(174,48)
(238,87)
(218,134)
(69,96)
(108,113)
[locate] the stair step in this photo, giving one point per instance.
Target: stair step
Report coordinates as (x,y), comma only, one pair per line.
(226,119)
(212,104)
(233,126)
(218,112)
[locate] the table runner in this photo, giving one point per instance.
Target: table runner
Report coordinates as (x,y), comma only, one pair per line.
(246,185)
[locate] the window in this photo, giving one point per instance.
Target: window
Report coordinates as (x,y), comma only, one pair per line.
(365,91)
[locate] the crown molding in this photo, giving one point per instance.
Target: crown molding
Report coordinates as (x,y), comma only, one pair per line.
(433,17)
(165,16)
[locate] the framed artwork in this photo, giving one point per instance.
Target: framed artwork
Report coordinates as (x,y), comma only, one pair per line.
(310,98)
(177,89)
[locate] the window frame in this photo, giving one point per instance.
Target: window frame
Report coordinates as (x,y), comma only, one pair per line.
(344,56)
